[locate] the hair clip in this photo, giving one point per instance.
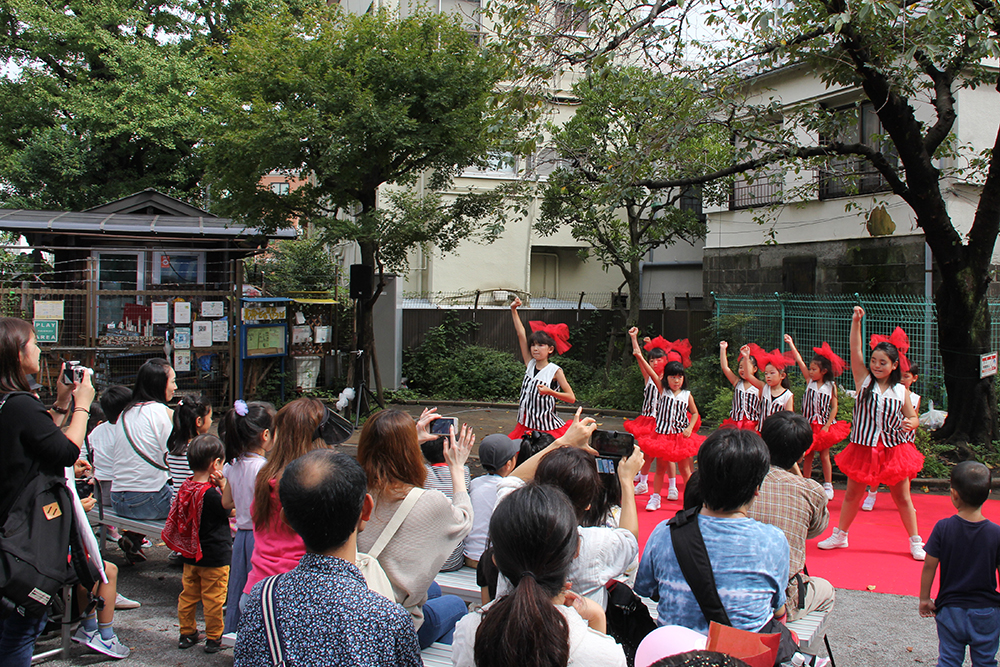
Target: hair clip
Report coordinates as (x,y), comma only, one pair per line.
(241,408)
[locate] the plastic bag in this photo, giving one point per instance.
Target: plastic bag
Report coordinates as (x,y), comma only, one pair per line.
(933,419)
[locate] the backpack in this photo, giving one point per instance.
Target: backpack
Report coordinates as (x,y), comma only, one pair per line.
(37,538)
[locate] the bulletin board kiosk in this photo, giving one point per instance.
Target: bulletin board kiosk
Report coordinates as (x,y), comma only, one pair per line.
(263,337)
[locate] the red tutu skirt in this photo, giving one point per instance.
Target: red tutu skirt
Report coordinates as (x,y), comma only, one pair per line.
(522,430)
(640,426)
(673,447)
(745,424)
(823,440)
(880,464)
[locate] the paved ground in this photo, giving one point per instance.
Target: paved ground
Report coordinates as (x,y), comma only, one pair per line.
(866,629)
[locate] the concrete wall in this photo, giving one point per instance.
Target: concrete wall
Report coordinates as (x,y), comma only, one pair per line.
(886,265)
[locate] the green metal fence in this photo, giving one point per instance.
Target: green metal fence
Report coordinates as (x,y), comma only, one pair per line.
(765,318)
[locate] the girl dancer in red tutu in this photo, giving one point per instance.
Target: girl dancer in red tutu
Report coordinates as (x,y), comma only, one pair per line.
(819,406)
(746,389)
(537,409)
(776,394)
(879,451)
(909,377)
(643,426)
(675,437)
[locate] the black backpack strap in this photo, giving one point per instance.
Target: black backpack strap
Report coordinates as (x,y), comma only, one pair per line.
(692,556)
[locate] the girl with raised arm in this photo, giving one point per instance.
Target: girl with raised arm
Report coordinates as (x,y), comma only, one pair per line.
(537,407)
(879,451)
(745,413)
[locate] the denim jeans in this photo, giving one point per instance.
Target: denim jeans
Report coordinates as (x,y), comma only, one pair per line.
(979,629)
(143,505)
(17,639)
(441,613)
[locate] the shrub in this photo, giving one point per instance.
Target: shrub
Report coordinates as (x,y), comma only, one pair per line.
(718,409)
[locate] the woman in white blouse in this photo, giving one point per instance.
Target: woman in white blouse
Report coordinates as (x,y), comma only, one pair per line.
(541,621)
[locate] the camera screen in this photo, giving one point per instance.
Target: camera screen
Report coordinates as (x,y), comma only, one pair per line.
(443,425)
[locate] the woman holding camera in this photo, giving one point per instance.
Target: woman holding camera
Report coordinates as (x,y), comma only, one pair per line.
(32,441)
(140,453)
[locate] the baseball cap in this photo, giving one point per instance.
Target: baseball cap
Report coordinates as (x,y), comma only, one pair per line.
(496,449)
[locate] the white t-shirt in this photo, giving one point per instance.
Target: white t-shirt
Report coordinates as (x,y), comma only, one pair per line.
(241,475)
(102,445)
(605,554)
(149,424)
(483,492)
(586,645)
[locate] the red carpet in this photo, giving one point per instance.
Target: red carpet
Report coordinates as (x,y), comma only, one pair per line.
(878,555)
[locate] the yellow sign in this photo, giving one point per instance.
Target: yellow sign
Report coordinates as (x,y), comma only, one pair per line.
(263,313)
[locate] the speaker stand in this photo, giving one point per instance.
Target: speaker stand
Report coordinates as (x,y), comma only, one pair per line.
(364,398)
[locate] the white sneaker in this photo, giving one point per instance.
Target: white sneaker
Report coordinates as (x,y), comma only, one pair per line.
(869,503)
(917,548)
(81,636)
(828,489)
(146,544)
(641,488)
(838,540)
(122,602)
(672,493)
(654,503)
(111,647)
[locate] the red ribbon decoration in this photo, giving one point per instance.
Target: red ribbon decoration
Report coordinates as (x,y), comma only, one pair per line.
(776,358)
(559,333)
(679,349)
(836,363)
(900,340)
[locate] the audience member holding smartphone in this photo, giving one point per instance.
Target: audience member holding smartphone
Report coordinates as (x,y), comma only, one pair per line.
(439,477)
(569,463)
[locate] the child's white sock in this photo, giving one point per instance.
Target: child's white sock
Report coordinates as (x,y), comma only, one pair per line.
(643,478)
(673,482)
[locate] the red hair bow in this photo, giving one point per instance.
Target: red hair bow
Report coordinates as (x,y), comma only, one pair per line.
(837,365)
(776,358)
(900,340)
(559,333)
(680,349)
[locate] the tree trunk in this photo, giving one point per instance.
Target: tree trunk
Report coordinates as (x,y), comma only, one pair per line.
(964,334)
(634,279)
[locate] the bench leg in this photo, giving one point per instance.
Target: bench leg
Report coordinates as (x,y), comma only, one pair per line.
(829,651)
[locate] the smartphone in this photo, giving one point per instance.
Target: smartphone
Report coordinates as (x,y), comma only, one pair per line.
(611,447)
(443,425)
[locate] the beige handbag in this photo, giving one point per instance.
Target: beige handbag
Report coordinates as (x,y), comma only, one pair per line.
(368,563)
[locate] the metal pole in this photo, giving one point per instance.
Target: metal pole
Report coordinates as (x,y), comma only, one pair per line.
(781,335)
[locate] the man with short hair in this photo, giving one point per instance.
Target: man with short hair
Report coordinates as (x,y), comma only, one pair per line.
(797,506)
(749,559)
(324,610)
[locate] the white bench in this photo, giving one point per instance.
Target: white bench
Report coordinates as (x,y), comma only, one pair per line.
(437,655)
(461,583)
(107,518)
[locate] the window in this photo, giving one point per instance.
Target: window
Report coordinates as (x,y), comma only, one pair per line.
(761,187)
(544,162)
(117,272)
(497,164)
(279,188)
(184,268)
(848,175)
(570,18)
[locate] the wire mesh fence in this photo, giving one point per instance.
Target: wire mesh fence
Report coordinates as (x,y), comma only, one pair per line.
(765,318)
(583,300)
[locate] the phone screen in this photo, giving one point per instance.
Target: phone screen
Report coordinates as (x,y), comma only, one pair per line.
(443,425)
(612,444)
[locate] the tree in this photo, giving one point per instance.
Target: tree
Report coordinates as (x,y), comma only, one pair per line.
(909,59)
(353,103)
(633,125)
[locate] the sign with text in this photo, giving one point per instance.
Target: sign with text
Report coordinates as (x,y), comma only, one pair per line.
(47,331)
(987,365)
(48,310)
(266,313)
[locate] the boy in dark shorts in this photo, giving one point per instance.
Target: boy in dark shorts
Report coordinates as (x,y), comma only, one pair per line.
(967,546)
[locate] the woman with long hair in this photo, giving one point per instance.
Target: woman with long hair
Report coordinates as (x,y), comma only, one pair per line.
(139,487)
(32,440)
(277,548)
(431,528)
(541,622)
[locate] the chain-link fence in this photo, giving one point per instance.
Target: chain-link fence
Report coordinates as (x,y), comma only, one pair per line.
(765,318)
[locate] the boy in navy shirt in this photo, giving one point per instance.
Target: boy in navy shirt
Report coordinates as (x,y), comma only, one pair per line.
(967,546)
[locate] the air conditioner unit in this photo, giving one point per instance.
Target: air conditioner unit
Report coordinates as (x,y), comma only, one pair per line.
(500,296)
